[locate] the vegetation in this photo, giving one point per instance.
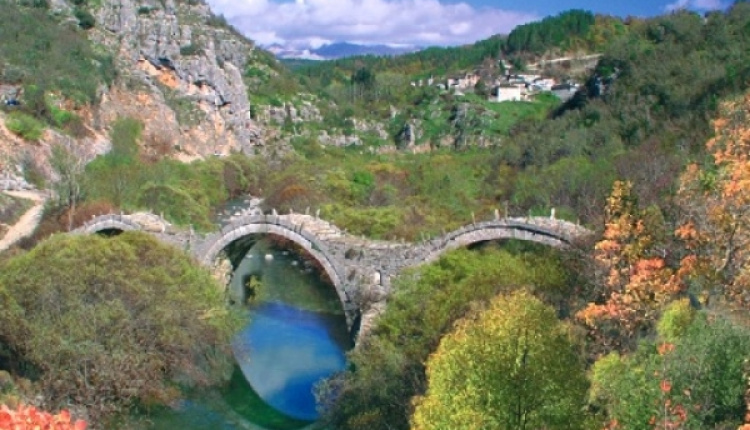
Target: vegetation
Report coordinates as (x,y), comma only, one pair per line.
(696,381)
(186,195)
(512,366)
(552,32)
(49,55)
(25,126)
(135,320)
(25,417)
(12,208)
(388,368)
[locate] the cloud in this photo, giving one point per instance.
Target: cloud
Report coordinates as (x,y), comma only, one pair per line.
(695,4)
(303,23)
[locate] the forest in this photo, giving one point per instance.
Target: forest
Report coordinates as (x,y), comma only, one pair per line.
(646,325)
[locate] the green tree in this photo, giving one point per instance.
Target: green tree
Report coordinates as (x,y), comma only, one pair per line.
(69,169)
(110,323)
(693,379)
(512,366)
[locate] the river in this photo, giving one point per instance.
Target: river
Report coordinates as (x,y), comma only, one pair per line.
(296,335)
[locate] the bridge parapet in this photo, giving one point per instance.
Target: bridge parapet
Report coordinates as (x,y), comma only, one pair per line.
(107,222)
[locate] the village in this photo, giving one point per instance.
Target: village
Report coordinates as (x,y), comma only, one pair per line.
(512,85)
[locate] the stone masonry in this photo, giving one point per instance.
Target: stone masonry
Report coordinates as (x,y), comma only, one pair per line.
(360,269)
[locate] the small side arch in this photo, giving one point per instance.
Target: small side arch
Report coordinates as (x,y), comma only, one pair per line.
(496,230)
(108,222)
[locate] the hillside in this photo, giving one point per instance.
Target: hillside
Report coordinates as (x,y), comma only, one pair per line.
(174,66)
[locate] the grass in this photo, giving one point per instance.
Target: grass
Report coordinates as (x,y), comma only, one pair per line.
(507,114)
(25,126)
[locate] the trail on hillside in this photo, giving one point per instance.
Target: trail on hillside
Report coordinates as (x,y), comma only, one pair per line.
(26,225)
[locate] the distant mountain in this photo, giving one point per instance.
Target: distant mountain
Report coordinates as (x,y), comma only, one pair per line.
(337,50)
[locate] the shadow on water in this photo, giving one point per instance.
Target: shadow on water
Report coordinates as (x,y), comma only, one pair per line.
(235,407)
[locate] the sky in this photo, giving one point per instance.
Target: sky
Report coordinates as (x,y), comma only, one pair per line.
(312,23)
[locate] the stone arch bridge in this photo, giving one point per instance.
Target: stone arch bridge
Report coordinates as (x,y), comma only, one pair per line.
(360,269)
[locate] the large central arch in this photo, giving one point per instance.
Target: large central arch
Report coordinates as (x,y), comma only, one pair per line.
(272,225)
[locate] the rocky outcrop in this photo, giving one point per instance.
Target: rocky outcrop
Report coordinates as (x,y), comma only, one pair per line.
(181,74)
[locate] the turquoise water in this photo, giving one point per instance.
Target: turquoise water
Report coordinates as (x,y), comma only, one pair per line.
(296,336)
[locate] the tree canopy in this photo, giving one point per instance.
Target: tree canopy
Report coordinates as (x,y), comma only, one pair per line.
(512,366)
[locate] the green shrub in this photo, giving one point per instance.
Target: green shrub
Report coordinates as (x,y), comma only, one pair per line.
(60,117)
(85,19)
(217,21)
(125,134)
(144,10)
(40,4)
(49,54)
(133,319)
(701,373)
(675,320)
(192,49)
(376,223)
(175,204)
(25,126)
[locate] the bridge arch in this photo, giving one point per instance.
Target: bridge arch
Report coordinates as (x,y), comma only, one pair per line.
(108,222)
(274,225)
(550,232)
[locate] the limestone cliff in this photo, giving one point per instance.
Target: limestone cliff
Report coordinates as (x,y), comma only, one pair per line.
(181,74)
(178,69)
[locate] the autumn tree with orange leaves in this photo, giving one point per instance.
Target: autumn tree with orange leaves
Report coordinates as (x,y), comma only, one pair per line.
(633,280)
(716,201)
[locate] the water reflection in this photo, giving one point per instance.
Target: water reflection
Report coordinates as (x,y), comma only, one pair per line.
(284,351)
(297,332)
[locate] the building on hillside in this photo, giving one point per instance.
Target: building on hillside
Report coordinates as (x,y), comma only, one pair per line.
(543,84)
(510,93)
(565,91)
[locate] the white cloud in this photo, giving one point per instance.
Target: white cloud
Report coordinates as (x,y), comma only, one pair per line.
(417,22)
(695,4)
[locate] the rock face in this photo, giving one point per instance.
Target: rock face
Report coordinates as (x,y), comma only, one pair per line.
(181,70)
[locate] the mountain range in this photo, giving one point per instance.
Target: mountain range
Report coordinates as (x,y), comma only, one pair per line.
(337,50)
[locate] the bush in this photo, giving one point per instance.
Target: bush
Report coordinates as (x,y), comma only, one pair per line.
(28,417)
(25,126)
(217,21)
(61,117)
(40,4)
(175,204)
(135,317)
(192,49)
(85,19)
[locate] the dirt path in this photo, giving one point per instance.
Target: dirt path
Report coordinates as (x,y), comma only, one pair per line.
(28,222)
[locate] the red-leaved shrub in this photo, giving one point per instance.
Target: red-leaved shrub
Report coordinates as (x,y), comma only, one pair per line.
(29,418)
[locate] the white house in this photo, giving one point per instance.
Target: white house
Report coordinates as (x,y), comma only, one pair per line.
(506,93)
